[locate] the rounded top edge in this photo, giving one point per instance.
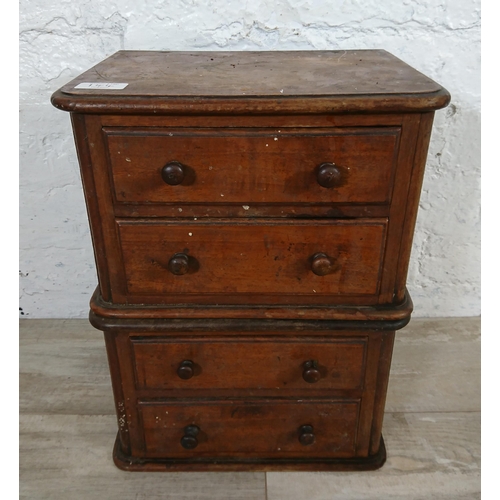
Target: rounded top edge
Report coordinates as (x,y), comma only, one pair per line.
(250,105)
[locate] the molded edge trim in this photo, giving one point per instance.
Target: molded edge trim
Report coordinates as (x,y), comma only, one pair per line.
(397,103)
(107,316)
(133,464)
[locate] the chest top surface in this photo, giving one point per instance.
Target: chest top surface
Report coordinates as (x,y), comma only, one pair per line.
(367,80)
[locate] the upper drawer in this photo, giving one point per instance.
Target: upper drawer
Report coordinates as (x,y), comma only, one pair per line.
(252,166)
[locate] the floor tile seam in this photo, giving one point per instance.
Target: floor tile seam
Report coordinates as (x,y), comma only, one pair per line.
(112,414)
(72,414)
(416,412)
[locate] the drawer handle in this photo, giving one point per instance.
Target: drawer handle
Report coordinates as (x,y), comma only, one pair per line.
(311,374)
(173,173)
(179,264)
(328,175)
(186,370)
(306,435)
(189,440)
(322,264)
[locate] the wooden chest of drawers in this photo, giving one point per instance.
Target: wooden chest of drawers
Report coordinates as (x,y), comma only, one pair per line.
(252,216)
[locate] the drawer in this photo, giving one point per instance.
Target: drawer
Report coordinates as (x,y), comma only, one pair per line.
(243,363)
(252,166)
(176,260)
(250,428)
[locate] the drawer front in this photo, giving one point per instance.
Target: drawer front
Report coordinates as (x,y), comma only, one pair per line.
(249,364)
(251,428)
(249,166)
(288,258)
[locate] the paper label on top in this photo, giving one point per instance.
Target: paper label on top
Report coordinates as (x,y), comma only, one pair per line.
(101,86)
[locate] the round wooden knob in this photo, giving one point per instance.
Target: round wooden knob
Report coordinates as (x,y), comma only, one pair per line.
(328,175)
(306,435)
(186,370)
(173,173)
(189,440)
(321,264)
(179,264)
(311,374)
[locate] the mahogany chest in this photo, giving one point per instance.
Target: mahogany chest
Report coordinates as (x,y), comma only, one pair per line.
(252,215)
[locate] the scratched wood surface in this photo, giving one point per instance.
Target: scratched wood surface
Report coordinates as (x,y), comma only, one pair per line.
(271,73)
(207,82)
(255,259)
(431,426)
(245,166)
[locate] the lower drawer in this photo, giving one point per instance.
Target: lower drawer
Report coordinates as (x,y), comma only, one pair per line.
(251,428)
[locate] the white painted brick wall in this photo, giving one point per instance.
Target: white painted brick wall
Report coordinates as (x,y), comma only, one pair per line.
(59,40)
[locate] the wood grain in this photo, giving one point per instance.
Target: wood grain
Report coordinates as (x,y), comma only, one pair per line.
(94,209)
(251,428)
(252,166)
(239,364)
(271,121)
(106,316)
(415,187)
(209,81)
(395,233)
(249,258)
(251,73)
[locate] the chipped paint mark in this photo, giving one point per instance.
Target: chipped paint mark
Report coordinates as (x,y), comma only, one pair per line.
(246,207)
(122,417)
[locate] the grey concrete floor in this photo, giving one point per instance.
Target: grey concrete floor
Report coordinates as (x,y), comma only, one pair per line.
(431,426)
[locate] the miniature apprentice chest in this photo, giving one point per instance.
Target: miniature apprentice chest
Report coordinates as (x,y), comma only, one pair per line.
(252,215)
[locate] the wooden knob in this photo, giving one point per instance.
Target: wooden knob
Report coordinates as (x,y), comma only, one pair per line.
(328,175)
(186,370)
(321,264)
(306,435)
(311,374)
(189,440)
(173,173)
(179,264)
